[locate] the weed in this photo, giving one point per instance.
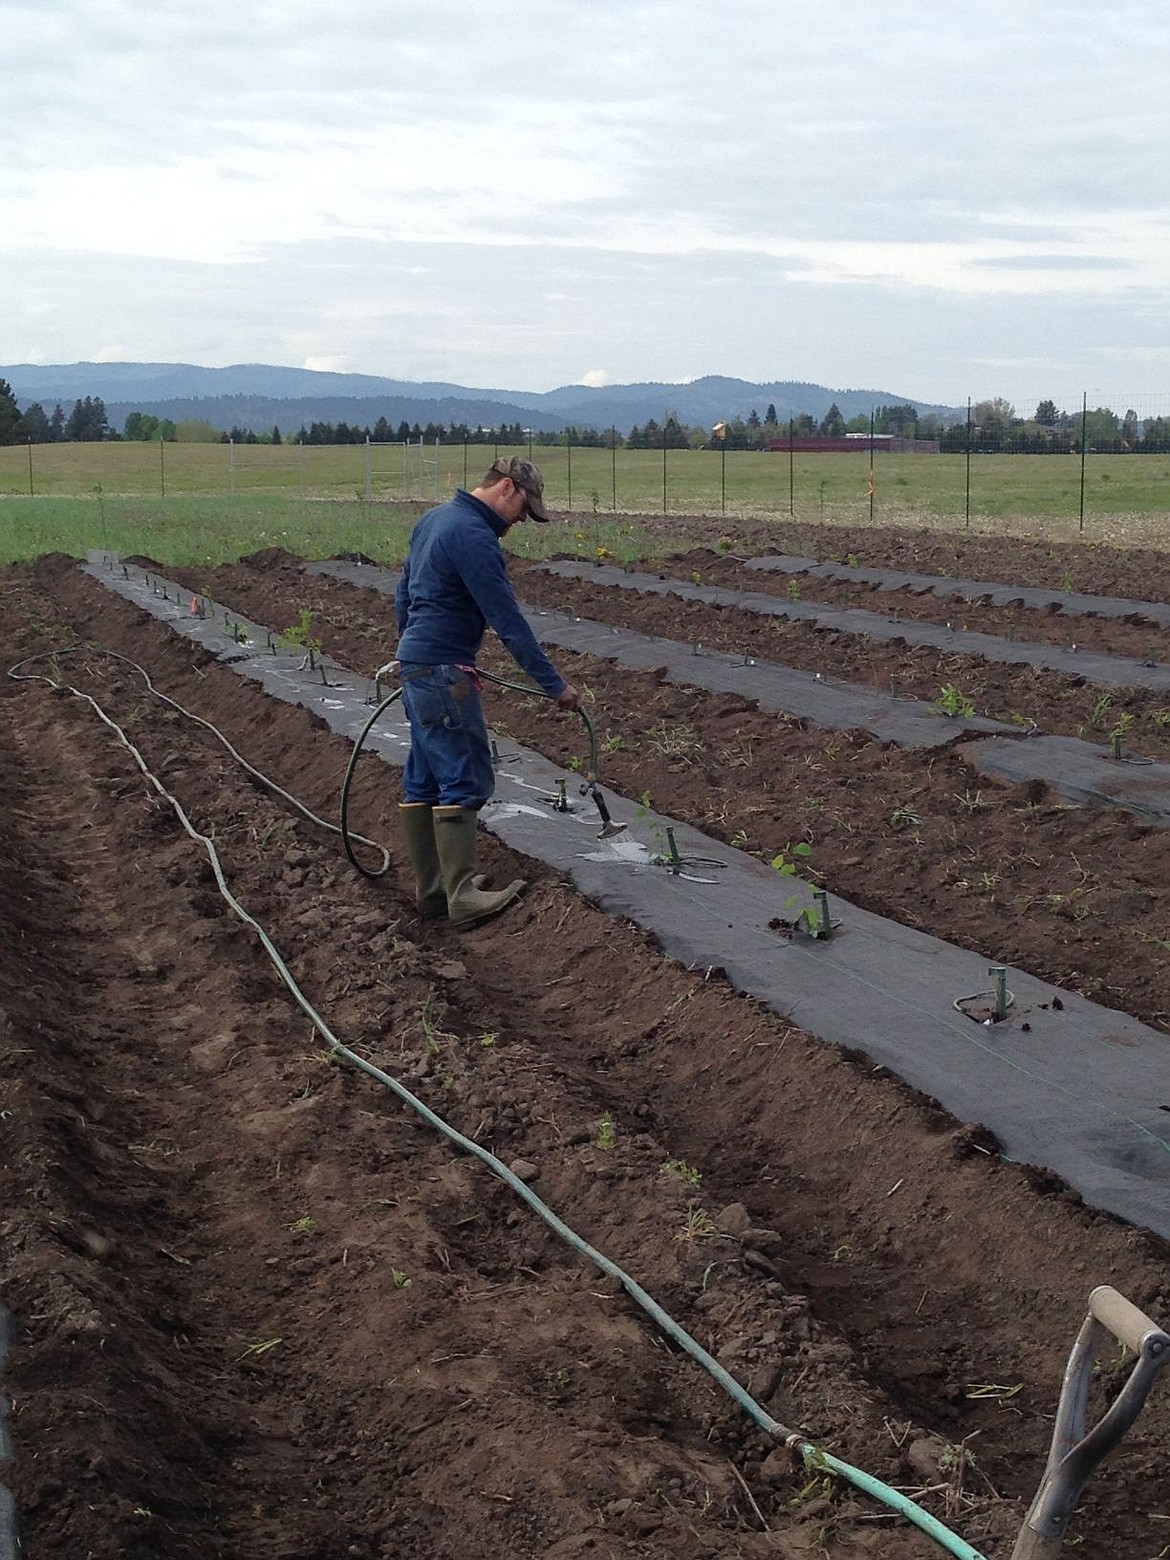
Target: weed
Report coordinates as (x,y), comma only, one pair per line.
(699,1225)
(726,543)
(614,744)
(794,590)
(399,1278)
(696,577)
(905,818)
(1100,710)
(739,839)
(303,1226)
(1160,717)
(595,501)
(685,1172)
(488,1040)
(953,703)
(1066,584)
(603,553)
(679,740)
(574,764)
(842,1251)
(255,1350)
(971,801)
(852,560)
(606,1131)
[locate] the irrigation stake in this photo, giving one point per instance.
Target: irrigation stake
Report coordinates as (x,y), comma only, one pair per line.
(675,858)
(826,929)
(1000,974)
(495,755)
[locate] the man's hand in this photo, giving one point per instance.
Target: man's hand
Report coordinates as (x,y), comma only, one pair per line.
(569,698)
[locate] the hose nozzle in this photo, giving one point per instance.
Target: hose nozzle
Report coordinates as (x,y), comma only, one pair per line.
(608,827)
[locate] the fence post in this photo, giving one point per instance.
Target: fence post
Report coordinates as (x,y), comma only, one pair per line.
(1084,450)
(232,467)
(791,470)
(162,465)
(30,470)
(968,477)
(569,452)
(613,462)
(369,472)
(664,417)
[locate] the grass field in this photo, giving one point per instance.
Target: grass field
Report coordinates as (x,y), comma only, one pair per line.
(206,502)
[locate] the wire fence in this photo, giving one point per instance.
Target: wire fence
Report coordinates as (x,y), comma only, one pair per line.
(1074,468)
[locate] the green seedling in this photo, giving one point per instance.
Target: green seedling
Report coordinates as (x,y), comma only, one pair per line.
(953,703)
(606,1131)
(696,577)
(400,1280)
(487,1041)
(739,839)
(1100,710)
(1122,727)
(1066,584)
(303,1226)
(794,590)
(300,636)
(782,861)
(1161,716)
(852,560)
(685,1172)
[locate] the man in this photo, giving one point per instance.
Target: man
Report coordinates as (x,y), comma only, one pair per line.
(453,587)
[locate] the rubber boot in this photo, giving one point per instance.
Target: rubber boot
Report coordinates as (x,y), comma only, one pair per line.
(418,826)
(468,905)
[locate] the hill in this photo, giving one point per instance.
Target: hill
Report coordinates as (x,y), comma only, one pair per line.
(260,395)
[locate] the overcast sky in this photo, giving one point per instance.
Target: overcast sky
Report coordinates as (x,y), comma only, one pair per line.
(540,193)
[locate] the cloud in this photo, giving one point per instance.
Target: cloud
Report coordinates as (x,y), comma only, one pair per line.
(666,189)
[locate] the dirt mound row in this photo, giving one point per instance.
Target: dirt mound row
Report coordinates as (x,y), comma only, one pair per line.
(262,1311)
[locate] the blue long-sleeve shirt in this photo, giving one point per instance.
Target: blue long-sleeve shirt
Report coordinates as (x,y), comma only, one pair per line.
(454,585)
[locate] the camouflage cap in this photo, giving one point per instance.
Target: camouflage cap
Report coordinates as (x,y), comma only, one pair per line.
(527,476)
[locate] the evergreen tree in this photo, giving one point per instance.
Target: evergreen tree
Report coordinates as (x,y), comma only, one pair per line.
(833,423)
(36,424)
(12,428)
(276,439)
(57,425)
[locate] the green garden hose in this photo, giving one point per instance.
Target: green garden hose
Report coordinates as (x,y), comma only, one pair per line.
(813,1456)
(590,786)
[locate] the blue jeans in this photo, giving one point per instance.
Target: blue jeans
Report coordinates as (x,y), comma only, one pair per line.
(450,759)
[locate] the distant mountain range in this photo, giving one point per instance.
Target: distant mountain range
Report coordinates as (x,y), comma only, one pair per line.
(261,395)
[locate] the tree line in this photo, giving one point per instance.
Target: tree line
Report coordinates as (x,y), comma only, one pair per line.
(991,427)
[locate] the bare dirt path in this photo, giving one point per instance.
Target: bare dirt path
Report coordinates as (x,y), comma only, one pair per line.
(262,1312)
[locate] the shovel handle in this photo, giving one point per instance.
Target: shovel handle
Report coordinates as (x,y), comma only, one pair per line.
(1124,1320)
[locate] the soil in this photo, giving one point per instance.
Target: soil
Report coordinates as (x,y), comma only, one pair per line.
(264,1310)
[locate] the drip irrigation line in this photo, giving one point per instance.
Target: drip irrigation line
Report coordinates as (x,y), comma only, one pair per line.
(332,828)
(813,1456)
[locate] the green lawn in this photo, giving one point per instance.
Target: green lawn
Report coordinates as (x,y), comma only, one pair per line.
(200,502)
